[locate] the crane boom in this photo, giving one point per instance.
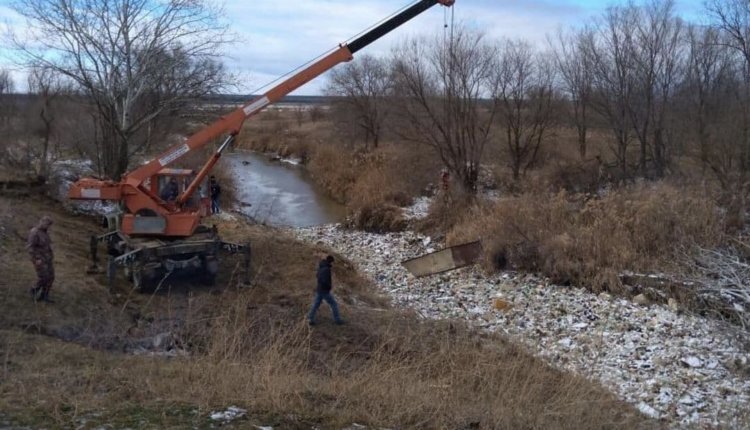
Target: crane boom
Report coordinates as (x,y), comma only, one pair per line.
(232,123)
(136,196)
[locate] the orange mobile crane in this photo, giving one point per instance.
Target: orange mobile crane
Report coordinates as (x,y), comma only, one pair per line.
(153,236)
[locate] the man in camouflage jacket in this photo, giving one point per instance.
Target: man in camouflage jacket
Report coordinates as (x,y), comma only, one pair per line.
(39,246)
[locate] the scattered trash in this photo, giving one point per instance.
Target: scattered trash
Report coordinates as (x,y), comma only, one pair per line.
(501,305)
(633,350)
(418,209)
(692,361)
(641,299)
(648,410)
(232,413)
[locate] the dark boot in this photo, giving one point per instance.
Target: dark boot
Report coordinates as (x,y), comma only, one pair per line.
(34,293)
(39,295)
(45,297)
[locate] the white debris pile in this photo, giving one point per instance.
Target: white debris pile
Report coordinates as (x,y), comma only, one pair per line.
(225,216)
(418,209)
(165,344)
(62,175)
(229,415)
(682,368)
(64,172)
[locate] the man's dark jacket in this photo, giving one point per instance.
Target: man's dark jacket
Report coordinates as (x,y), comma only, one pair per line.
(324,277)
(215,190)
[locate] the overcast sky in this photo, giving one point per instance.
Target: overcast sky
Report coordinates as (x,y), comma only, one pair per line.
(279,35)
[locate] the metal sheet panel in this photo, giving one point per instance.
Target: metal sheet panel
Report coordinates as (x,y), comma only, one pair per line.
(445,259)
(149,224)
(466,254)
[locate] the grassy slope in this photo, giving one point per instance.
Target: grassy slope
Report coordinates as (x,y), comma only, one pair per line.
(64,366)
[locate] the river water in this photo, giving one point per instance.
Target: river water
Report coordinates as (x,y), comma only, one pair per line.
(279,193)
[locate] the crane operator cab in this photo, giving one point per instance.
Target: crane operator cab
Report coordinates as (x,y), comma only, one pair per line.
(169,183)
(182,213)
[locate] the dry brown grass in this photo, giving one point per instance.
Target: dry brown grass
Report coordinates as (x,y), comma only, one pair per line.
(397,379)
(445,212)
(250,347)
(398,372)
(276,131)
(374,185)
(588,241)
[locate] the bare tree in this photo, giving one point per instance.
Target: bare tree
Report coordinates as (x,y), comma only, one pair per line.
(708,89)
(47,86)
(444,91)
(133,59)
(362,87)
(525,92)
(732,18)
(8,110)
(7,88)
(656,62)
(576,72)
(611,53)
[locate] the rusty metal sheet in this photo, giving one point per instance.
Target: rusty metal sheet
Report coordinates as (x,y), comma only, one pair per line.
(445,259)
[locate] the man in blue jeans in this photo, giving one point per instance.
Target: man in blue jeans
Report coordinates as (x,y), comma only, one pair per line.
(323,292)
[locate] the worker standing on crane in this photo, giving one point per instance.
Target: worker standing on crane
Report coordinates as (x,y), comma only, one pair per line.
(39,246)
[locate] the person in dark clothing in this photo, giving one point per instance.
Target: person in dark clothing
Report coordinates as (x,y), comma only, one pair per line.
(39,246)
(215,190)
(170,191)
(323,292)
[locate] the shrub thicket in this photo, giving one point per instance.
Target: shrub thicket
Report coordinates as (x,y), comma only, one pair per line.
(588,241)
